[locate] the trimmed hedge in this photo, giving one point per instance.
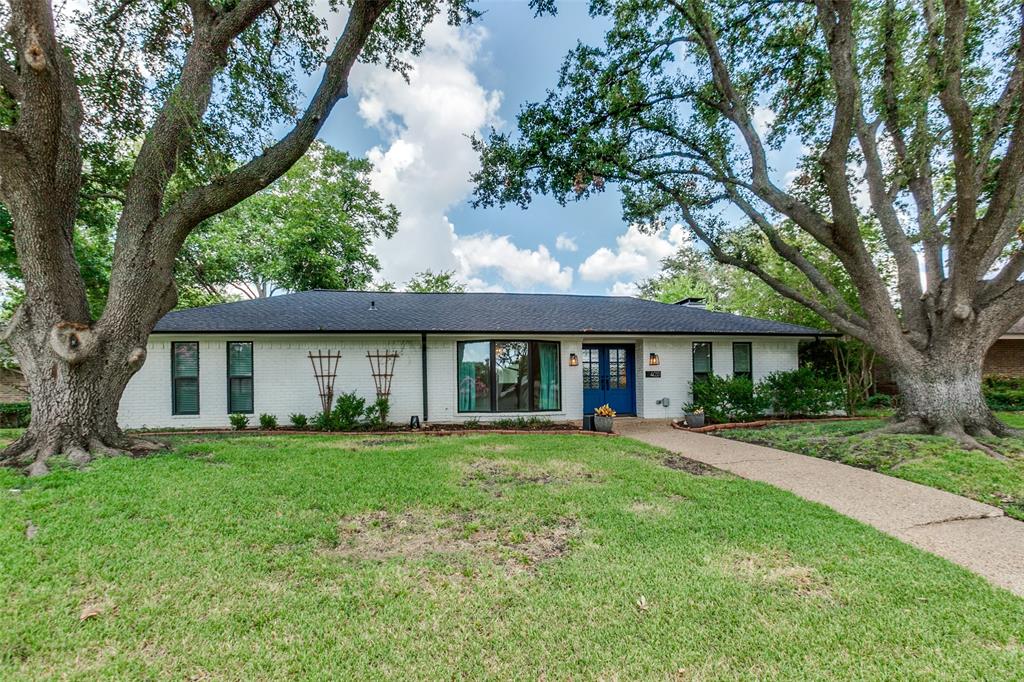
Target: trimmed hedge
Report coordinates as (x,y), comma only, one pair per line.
(1003,392)
(799,393)
(15,415)
(729,399)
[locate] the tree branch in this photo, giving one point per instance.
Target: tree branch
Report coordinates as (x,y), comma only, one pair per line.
(202,202)
(9,81)
(719,254)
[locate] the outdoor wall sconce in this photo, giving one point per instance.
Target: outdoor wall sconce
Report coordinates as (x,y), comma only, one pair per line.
(654,360)
(573,360)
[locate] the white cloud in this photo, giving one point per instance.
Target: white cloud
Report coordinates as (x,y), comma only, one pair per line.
(637,254)
(763,119)
(564,242)
(522,268)
(624,289)
(425,165)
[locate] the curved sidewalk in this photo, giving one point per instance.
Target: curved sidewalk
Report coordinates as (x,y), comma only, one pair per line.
(975,535)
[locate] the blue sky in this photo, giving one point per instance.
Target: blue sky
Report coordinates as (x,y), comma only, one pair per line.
(467,80)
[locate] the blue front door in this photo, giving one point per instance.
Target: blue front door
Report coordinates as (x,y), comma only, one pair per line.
(608,378)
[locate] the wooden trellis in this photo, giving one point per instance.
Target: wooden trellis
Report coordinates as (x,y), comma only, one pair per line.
(382,367)
(325,370)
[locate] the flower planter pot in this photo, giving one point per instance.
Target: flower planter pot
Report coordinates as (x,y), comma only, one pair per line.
(695,421)
(603,424)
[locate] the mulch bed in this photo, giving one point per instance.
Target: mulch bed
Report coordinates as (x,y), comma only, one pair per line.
(435,431)
(761,423)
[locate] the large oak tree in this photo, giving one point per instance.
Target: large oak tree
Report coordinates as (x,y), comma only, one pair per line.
(910,120)
(173,104)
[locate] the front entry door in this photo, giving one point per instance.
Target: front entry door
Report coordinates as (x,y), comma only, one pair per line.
(608,378)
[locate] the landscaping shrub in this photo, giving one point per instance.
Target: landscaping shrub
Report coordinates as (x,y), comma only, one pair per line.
(878,400)
(1003,392)
(325,421)
(15,415)
(298,420)
(522,423)
(728,399)
(349,412)
(803,392)
(377,413)
(238,420)
(268,422)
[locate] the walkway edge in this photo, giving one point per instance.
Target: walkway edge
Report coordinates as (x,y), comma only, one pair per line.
(977,536)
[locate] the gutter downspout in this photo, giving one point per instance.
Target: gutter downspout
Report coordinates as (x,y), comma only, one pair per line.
(423,357)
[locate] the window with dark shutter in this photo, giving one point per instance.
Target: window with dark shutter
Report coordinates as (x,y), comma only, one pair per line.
(702,366)
(743,360)
(240,397)
(185,377)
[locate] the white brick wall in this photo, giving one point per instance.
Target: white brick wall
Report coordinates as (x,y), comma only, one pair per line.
(283,378)
(770,354)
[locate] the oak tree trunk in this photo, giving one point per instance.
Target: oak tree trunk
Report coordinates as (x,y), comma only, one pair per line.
(940,394)
(76,377)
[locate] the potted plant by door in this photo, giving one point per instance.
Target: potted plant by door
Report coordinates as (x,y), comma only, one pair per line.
(604,419)
(695,418)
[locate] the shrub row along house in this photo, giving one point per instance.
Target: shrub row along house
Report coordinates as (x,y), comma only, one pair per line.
(459,356)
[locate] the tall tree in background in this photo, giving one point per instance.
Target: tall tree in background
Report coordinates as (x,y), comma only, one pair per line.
(202,84)
(311,229)
(910,114)
(430,282)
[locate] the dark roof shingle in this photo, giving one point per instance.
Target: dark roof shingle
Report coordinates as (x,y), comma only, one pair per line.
(349,311)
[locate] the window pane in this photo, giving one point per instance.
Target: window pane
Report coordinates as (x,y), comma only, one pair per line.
(701,359)
(240,394)
(741,359)
(185,377)
(186,396)
(240,359)
(474,376)
(185,359)
(546,389)
(511,365)
(617,368)
(591,368)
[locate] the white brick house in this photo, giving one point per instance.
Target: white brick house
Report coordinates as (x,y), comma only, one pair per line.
(460,356)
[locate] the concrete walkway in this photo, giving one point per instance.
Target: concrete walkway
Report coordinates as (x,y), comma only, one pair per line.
(975,535)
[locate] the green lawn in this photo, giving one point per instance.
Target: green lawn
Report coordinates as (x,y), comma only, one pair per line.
(928,460)
(467,557)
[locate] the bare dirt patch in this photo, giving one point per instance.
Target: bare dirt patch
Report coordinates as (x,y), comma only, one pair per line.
(451,537)
(691,466)
(776,569)
(498,476)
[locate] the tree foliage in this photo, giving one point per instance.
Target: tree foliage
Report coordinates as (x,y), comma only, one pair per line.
(311,229)
(909,114)
(160,116)
(430,282)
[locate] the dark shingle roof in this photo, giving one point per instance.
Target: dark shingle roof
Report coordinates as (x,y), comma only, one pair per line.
(349,311)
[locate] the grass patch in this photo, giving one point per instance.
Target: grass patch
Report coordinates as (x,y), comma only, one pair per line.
(293,557)
(929,460)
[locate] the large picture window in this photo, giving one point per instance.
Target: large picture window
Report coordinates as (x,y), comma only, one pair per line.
(184,377)
(240,377)
(702,368)
(742,360)
(509,376)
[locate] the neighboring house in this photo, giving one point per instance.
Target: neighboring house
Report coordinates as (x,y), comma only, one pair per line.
(1006,356)
(13,387)
(461,356)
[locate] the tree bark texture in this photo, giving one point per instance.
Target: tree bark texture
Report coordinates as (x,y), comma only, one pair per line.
(77,367)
